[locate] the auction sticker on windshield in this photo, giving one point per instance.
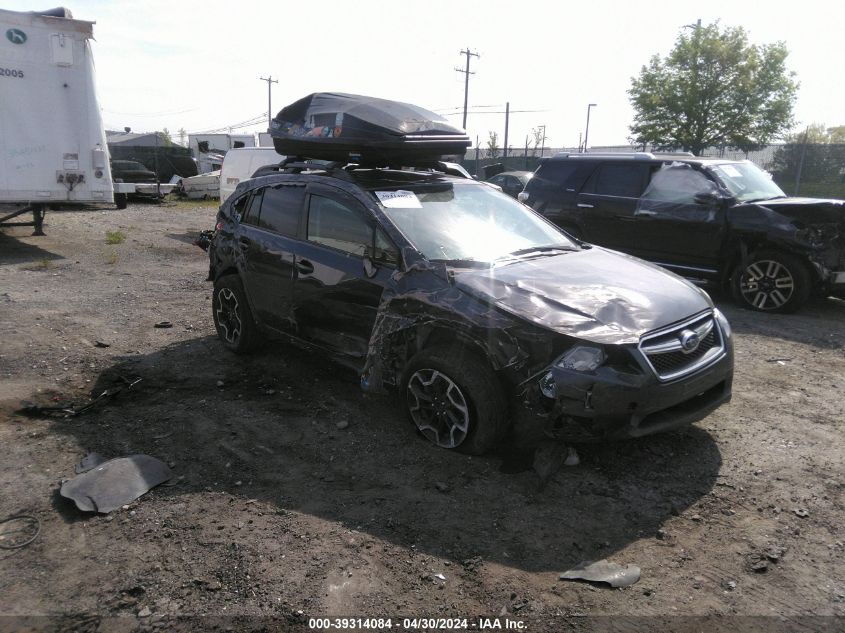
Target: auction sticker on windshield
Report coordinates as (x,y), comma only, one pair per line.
(399,199)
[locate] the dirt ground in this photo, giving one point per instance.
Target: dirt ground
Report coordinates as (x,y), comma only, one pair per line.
(296,496)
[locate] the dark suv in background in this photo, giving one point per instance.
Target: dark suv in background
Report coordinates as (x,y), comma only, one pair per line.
(711,219)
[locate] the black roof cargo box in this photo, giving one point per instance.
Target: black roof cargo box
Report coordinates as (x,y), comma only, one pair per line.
(344,127)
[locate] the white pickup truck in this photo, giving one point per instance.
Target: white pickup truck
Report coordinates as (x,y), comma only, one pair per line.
(53,149)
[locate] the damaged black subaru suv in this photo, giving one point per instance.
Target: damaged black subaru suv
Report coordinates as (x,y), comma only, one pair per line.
(476,310)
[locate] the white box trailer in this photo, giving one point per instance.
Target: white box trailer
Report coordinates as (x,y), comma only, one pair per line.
(53,149)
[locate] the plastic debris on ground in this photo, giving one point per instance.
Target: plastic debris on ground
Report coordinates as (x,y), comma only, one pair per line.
(604,571)
(91,460)
(115,483)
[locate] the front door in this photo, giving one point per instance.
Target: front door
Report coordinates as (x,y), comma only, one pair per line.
(680,221)
(335,300)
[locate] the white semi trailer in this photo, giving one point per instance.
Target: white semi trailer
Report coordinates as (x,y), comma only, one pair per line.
(53,149)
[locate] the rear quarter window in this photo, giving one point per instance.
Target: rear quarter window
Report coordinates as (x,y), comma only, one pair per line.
(562,174)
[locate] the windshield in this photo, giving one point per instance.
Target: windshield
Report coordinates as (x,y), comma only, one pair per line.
(469,222)
(746,181)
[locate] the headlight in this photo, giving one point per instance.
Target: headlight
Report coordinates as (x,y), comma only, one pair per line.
(547,385)
(723,322)
(582,358)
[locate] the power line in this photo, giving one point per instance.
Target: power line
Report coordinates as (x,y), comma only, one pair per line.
(252,121)
(489,112)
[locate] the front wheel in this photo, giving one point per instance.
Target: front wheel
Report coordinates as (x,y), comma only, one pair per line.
(232,316)
(771,281)
(455,400)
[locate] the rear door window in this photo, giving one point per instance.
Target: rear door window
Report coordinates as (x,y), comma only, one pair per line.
(252,209)
(281,209)
(620,180)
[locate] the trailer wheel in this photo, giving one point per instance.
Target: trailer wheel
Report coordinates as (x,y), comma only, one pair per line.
(121,200)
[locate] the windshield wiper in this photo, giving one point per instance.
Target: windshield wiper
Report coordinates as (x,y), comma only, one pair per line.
(753,200)
(539,250)
(465,263)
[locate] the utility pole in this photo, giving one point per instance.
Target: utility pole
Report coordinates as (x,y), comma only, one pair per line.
(587,129)
(269,81)
(543,141)
(507,119)
(466,72)
(526,152)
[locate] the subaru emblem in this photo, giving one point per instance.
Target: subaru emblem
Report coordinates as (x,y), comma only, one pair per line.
(689,340)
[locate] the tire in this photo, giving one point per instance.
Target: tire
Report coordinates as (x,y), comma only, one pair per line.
(771,281)
(232,317)
(454,399)
(121,200)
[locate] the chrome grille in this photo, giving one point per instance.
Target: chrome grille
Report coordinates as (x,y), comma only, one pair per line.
(667,355)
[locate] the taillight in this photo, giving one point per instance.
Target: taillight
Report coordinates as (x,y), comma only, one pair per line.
(218,226)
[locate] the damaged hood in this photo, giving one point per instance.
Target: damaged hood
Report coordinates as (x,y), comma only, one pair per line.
(811,210)
(593,294)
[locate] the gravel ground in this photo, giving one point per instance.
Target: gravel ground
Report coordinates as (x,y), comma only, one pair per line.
(297,496)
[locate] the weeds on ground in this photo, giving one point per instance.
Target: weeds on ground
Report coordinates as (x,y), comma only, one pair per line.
(42,264)
(115,237)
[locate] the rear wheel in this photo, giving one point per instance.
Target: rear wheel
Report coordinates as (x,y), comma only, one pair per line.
(121,200)
(771,281)
(455,400)
(232,316)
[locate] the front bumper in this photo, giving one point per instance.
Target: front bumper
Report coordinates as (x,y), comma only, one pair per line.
(611,404)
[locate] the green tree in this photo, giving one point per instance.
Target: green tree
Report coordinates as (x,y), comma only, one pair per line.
(815,154)
(493,144)
(714,89)
(164,135)
(536,138)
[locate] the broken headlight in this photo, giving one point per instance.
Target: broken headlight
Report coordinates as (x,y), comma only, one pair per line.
(582,358)
(579,358)
(723,323)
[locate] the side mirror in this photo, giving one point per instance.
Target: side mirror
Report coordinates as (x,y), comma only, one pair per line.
(707,197)
(370,269)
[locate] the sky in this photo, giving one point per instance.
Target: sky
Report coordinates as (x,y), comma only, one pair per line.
(197,65)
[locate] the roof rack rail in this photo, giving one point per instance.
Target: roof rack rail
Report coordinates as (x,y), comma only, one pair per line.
(298,164)
(627,155)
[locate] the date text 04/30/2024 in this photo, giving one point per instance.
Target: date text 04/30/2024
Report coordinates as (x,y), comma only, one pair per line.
(411,624)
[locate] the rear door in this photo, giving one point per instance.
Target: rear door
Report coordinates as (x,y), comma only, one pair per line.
(335,300)
(267,239)
(608,201)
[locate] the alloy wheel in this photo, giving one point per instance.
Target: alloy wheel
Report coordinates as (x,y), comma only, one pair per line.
(766,284)
(228,315)
(438,407)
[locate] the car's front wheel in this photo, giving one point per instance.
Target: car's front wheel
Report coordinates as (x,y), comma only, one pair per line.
(232,316)
(454,399)
(771,281)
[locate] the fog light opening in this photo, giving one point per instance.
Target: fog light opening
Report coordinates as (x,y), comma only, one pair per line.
(547,385)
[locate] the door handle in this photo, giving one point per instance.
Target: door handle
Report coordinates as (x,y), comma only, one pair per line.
(646,213)
(584,205)
(305,267)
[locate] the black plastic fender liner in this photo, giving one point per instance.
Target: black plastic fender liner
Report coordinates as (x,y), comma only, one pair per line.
(366,130)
